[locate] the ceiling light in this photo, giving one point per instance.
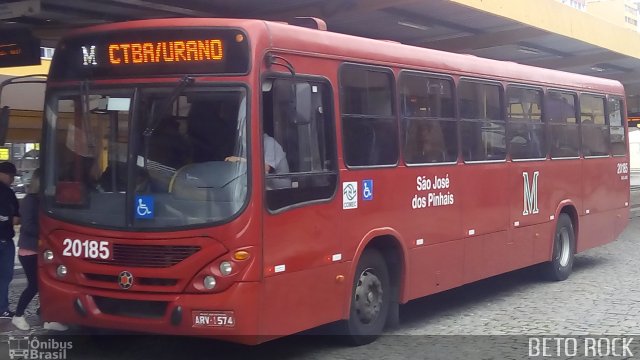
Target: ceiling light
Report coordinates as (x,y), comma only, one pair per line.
(414,25)
(609,68)
(528,50)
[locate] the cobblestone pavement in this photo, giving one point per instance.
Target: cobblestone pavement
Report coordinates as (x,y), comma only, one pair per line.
(602,297)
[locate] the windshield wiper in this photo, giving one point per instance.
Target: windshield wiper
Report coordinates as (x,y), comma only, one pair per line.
(155,121)
(85,98)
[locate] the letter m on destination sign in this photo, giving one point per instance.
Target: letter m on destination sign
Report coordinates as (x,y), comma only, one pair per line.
(89,55)
(530,195)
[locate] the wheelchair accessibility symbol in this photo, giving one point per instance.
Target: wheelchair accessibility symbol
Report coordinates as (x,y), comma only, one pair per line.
(144,207)
(367,189)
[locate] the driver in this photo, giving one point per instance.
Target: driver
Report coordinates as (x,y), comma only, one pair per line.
(275,162)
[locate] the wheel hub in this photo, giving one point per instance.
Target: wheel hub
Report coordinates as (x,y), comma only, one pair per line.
(564,247)
(368,296)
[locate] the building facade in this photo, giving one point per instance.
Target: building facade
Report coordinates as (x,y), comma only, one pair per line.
(622,12)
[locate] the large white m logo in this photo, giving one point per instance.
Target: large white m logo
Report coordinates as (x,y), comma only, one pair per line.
(530,194)
(89,56)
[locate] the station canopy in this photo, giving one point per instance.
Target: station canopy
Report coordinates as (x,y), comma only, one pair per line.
(542,33)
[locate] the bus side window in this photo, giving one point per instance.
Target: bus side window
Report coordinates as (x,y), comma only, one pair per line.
(560,113)
(526,129)
(369,124)
(298,127)
(429,126)
(595,130)
(616,118)
(482,127)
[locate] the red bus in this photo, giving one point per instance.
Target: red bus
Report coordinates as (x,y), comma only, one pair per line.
(245,180)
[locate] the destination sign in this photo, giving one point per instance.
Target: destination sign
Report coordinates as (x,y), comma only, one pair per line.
(18,48)
(166,51)
(152,52)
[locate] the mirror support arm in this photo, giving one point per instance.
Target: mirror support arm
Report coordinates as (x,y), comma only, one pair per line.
(4,113)
(272,59)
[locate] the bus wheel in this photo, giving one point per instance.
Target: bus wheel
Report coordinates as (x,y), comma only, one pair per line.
(564,246)
(371,298)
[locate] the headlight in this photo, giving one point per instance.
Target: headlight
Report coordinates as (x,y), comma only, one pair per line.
(226,268)
(48,255)
(209,282)
(61,271)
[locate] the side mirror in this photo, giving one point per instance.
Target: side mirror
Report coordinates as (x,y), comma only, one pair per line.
(302,94)
(4,124)
(293,99)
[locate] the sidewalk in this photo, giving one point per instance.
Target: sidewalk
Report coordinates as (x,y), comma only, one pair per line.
(6,327)
(18,284)
(635,179)
(634,200)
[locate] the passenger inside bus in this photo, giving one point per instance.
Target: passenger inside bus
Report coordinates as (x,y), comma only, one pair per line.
(275,157)
(594,141)
(526,132)
(78,162)
(278,155)
(426,142)
(558,108)
(207,133)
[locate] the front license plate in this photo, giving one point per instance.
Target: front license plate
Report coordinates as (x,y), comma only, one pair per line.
(213,318)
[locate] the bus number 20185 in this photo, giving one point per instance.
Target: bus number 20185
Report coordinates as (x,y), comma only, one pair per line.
(92,249)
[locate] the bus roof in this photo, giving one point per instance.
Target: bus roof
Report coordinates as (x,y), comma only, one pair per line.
(385,53)
(391,53)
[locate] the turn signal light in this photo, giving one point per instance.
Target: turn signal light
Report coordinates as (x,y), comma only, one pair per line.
(241,255)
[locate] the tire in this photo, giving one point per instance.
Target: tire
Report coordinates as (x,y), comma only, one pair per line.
(564,248)
(370,301)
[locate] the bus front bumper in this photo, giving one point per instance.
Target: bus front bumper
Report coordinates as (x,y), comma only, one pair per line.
(231,315)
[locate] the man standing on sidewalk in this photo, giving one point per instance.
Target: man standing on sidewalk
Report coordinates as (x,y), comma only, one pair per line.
(9,216)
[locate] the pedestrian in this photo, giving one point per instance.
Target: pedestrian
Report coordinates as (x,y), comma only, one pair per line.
(28,253)
(9,216)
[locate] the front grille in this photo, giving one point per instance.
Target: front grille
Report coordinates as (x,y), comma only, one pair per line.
(137,281)
(131,308)
(148,256)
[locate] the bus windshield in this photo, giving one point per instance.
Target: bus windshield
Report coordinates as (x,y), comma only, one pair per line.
(105,170)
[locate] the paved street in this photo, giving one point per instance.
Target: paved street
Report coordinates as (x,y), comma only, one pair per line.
(601,297)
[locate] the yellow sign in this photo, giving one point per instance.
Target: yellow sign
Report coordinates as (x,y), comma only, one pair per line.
(165,51)
(10,49)
(18,47)
(4,154)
